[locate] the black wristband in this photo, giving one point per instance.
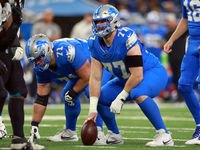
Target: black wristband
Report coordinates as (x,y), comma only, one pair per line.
(35,123)
(72,93)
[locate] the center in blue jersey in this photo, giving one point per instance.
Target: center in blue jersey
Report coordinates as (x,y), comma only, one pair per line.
(70,55)
(113,57)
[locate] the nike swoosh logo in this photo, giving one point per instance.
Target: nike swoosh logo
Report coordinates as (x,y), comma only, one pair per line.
(112,142)
(166,142)
(67,138)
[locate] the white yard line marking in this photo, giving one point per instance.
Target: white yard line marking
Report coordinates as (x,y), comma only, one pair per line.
(62,117)
(126,106)
(120,127)
(96,146)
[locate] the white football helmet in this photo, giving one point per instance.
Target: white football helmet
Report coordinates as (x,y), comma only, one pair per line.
(110,14)
(39,46)
(153,20)
(153,16)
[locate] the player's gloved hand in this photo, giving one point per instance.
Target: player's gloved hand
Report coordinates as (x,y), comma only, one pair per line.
(18,53)
(70,97)
(34,134)
(17,14)
(3,68)
(117,104)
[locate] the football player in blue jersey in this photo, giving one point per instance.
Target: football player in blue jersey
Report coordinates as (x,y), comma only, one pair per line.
(66,59)
(153,34)
(139,76)
(190,64)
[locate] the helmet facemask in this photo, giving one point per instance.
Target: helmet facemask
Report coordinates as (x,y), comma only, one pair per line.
(111,16)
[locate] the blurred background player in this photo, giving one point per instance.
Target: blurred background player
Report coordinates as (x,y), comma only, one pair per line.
(11,79)
(47,26)
(176,56)
(82,29)
(153,34)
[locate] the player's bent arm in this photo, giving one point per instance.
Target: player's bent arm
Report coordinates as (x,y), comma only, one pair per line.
(84,75)
(95,84)
(136,70)
(180,29)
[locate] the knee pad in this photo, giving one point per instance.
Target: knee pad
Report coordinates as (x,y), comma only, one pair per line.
(42,100)
(185,88)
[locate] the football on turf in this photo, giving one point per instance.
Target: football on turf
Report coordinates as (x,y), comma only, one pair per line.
(89,133)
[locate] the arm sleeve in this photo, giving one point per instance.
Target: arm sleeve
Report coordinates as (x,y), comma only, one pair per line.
(184,12)
(9,36)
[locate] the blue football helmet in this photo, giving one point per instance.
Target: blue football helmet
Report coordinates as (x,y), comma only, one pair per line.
(110,14)
(39,46)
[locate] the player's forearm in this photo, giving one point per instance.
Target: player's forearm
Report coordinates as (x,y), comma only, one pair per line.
(133,81)
(180,30)
(80,85)
(95,78)
(94,87)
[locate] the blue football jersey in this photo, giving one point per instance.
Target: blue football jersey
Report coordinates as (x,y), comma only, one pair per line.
(70,55)
(152,38)
(191,12)
(113,57)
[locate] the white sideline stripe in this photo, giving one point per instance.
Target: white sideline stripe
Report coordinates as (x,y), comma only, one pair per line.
(59,117)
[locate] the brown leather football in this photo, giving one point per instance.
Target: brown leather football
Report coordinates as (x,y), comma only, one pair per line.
(89,133)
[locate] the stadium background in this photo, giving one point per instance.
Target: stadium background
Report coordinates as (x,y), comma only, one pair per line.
(136,129)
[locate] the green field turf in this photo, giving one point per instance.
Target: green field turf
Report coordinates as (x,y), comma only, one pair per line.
(137,130)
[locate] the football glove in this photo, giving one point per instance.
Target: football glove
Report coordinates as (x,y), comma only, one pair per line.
(117,104)
(17,14)
(34,135)
(18,53)
(3,68)
(70,97)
